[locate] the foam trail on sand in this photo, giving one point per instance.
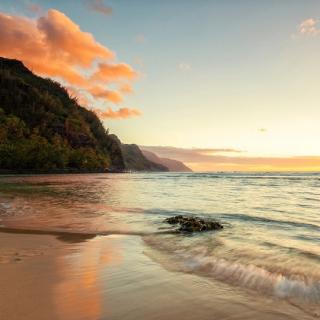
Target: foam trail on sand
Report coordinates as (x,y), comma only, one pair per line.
(253,277)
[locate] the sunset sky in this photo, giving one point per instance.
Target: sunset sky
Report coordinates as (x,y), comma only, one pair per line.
(227,85)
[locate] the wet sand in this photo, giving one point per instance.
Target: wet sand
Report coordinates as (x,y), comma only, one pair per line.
(114,277)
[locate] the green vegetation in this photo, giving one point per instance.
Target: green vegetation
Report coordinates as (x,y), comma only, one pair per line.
(42,128)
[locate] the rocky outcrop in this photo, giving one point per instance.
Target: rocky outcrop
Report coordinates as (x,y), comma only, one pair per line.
(193,224)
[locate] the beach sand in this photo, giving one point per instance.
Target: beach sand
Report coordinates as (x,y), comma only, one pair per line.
(114,277)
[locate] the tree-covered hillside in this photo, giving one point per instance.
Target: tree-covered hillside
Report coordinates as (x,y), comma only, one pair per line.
(42,128)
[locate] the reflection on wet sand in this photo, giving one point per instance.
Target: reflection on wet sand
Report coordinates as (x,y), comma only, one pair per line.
(79,295)
(116,278)
(42,277)
(86,247)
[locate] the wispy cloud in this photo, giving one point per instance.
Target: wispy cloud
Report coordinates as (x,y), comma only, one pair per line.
(183,66)
(140,38)
(309,27)
(233,160)
(53,45)
(102,93)
(112,72)
(189,154)
(34,8)
(126,88)
(122,113)
(100,7)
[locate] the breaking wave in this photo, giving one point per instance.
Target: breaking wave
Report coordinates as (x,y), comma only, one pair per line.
(254,277)
(237,268)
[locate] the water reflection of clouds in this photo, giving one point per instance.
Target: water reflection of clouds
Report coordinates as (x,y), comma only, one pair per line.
(79,293)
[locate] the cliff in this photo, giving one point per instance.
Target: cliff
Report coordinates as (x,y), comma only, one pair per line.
(172,165)
(136,161)
(43,129)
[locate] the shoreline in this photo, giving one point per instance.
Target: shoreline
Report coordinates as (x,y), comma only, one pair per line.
(75,171)
(95,247)
(58,171)
(114,277)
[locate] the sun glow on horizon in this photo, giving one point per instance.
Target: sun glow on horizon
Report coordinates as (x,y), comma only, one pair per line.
(252,91)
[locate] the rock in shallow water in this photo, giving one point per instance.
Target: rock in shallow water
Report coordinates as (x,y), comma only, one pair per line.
(194,224)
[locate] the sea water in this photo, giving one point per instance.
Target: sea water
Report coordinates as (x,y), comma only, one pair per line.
(270,243)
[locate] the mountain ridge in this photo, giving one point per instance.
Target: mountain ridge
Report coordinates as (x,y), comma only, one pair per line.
(43,129)
(171,164)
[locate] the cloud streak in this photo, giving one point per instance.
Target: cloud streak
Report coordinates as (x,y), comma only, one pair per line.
(101,93)
(122,113)
(34,8)
(100,7)
(113,72)
(55,46)
(234,160)
(188,155)
(184,66)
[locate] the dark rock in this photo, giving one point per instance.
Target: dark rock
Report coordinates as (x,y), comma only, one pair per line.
(174,220)
(194,224)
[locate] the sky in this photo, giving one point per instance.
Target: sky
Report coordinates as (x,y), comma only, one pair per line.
(235,79)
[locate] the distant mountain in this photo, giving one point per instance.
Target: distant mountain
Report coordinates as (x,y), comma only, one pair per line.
(43,129)
(172,165)
(135,160)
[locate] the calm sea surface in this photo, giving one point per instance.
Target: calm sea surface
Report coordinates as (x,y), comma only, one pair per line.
(270,243)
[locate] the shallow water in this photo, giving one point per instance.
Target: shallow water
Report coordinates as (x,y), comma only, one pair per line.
(270,244)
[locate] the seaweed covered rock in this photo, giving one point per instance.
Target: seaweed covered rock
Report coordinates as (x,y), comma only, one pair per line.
(193,224)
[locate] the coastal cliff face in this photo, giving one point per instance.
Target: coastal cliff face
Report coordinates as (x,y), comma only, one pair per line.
(172,165)
(42,128)
(136,161)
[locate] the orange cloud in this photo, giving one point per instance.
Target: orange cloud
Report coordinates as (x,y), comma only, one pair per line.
(107,72)
(51,45)
(100,7)
(67,40)
(55,46)
(101,93)
(122,113)
(309,27)
(126,88)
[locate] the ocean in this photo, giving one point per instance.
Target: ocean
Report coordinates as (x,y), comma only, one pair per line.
(269,246)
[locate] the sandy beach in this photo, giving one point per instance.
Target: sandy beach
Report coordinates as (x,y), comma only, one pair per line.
(159,160)
(114,277)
